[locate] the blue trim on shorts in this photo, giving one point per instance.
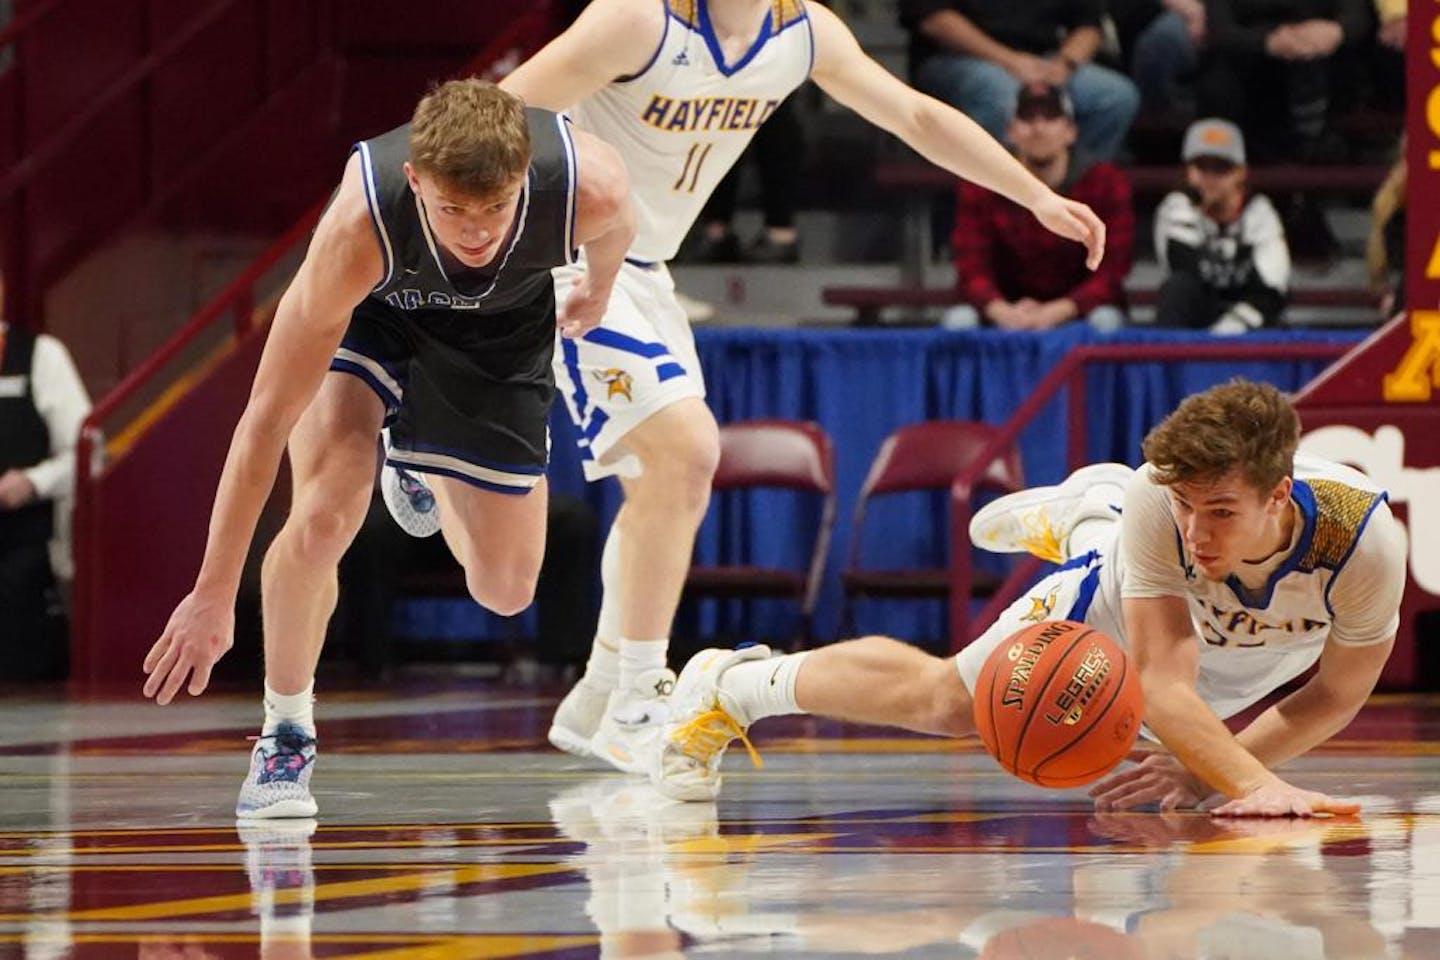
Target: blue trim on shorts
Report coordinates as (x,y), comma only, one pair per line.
(456,475)
(1084,559)
(619,341)
(529,470)
(642,264)
(572,366)
(391,402)
(1087,595)
(597,423)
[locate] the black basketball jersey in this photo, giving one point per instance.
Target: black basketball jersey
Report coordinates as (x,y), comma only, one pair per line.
(416,279)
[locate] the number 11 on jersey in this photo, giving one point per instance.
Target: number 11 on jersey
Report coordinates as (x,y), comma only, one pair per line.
(694,160)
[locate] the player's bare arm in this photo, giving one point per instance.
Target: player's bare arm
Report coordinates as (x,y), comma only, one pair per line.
(610,39)
(604,227)
(940,133)
(1166,652)
(1325,705)
(342,265)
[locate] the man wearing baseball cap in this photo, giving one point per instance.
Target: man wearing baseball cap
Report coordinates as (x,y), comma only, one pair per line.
(1012,276)
(1223,248)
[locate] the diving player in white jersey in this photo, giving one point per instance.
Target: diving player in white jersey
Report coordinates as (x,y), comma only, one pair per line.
(1227,565)
(680,86)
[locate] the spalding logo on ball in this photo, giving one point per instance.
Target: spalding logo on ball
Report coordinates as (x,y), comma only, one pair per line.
(1058,704)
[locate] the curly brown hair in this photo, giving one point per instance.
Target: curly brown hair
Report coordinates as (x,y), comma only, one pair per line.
(1239,426)
(471,136)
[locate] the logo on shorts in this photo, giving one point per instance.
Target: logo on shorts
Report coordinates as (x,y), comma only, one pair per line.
(1041,608)
(617,382)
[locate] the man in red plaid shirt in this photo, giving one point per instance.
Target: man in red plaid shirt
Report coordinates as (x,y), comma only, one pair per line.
(1015,275)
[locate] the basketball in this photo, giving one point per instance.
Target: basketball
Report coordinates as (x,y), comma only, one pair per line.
(1061,937)
(1058,704)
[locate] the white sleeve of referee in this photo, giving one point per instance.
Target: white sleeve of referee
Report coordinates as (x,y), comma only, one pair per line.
(63,404)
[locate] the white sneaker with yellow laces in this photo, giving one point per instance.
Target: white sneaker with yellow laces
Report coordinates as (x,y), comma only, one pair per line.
(703,721)
(1040,520)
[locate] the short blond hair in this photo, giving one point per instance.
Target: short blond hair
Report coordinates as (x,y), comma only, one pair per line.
(472,136)
(1240,426)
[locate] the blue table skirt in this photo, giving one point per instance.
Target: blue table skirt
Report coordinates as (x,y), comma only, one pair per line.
(860,385)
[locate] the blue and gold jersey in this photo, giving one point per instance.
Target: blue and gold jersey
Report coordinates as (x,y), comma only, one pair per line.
(1339,579)
(683,120)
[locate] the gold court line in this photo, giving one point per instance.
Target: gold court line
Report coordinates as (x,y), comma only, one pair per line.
(342,890)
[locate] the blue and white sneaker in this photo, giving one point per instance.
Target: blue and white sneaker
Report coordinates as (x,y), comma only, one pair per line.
(410,501)
(278,784)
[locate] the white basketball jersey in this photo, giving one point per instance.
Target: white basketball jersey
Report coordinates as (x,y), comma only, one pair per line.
(683,121)
(1253,641)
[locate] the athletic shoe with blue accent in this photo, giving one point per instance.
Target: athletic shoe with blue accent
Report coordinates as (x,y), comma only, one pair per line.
(410,501)
(704,719)
(1039,521)
(279,781)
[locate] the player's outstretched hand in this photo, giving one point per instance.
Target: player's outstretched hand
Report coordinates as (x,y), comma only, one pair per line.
(198,634)
(1158,778)
(1074,220)
(583,308)
(1277,798)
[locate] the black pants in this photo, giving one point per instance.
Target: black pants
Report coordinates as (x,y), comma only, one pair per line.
(1281,105)
(776,148)
(31,648)
(1187,301)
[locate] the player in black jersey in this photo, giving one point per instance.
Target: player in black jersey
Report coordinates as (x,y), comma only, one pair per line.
(432,263)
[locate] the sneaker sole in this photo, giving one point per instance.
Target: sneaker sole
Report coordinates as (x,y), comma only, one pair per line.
(684,794)
(1028,499)
(564,739)
(406,517)
(285,809)
(633,765)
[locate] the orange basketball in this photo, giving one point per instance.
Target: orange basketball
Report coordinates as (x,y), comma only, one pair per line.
(1058,704)
(1061,937)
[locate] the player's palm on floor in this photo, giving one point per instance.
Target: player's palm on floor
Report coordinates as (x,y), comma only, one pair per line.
(1280,799)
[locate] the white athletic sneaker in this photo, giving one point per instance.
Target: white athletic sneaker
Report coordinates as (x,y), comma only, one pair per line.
(278,784)
(577,718)
(632,721)
(1040,520)
(410,501)
(704,721)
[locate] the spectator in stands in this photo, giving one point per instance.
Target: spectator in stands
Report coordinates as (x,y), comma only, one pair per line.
(1223,248)
(1160,44)
(1385,248)
(977,54)
(776,152)
(1267,67)
(42,403)
(1011,273)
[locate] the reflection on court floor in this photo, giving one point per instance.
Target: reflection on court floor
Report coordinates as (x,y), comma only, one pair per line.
(447,830)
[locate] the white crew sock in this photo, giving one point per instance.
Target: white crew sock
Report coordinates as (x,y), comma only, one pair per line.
(764,688)
(637,656)
(297,708)
(602,670)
